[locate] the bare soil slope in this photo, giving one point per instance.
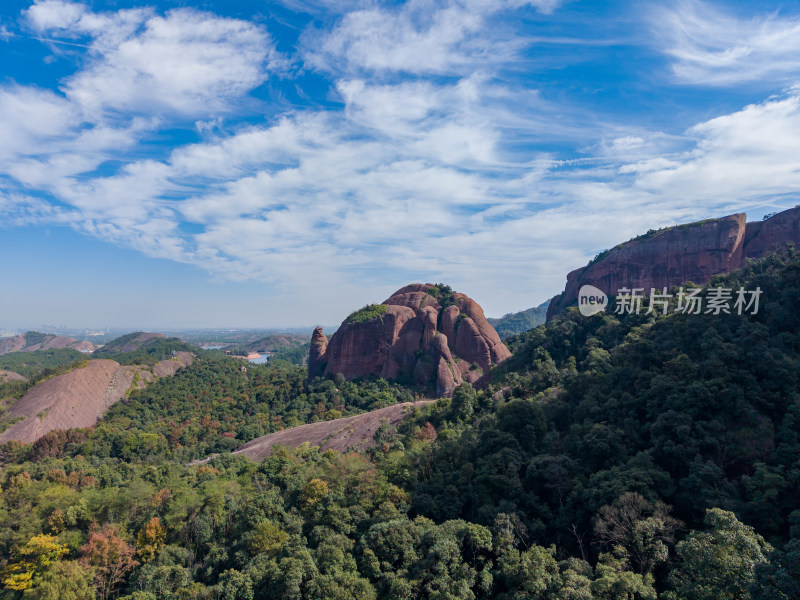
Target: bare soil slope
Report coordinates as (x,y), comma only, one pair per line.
(80,397)
(10,376)
(348,433)
(168,367)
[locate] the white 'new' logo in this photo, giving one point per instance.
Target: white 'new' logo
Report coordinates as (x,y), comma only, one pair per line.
(591,300)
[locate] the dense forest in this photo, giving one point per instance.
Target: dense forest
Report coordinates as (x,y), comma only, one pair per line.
(32,364)
(612,457)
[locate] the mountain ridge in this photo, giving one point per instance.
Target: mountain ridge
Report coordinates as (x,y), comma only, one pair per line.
(691,252)
(32,341)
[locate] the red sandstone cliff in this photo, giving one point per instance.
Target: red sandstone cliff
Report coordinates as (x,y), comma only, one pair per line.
(762,237)
(692,252)
(425,335)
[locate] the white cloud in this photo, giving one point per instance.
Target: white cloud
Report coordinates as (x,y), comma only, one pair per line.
(746,154)
(187,62)
(54,14)
(31,118)
(712,47)
(141,72)
(421,36)
(20,210)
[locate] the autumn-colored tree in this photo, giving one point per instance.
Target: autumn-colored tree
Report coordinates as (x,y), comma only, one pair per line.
(267,537)
(110,555)
(160,498)
(17,482)
(87,481)
(427,432)
(320,410)
(31,560)
(55,522)
(151,539)
(313,492)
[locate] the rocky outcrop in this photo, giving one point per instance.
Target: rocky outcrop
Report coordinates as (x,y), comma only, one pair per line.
(316,354)
(685,253)
(423,334)
(79,397)
(342,435)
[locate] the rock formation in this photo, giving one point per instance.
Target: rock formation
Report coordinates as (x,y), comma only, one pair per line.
(422,334)
(316,354)
(692,252)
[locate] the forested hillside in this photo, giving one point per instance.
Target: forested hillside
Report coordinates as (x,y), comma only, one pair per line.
(142,348)
(519,322)
(612,457)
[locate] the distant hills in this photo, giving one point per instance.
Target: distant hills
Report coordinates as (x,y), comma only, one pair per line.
(271,343)
(32,363)
(33,341)
(130,342)
(519,322)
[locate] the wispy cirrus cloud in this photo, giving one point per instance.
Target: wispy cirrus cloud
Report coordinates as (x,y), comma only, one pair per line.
(711,46)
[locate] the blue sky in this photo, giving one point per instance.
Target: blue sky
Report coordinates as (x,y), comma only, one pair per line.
(267,164)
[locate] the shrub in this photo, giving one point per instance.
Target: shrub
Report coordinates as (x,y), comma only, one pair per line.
(367,313)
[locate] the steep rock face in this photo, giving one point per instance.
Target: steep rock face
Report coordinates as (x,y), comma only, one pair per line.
(692,252)
(415,339)
(359,349)
(765,236)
